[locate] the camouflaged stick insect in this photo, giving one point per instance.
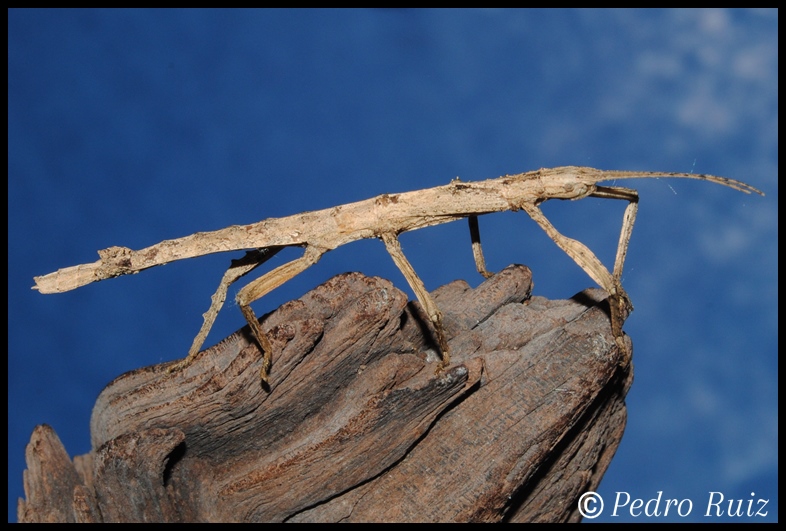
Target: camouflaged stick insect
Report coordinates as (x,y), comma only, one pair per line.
(384,217)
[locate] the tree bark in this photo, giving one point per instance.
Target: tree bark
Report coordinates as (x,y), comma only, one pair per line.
(356,425)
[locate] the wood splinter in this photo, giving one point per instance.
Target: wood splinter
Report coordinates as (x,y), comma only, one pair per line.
(384,217)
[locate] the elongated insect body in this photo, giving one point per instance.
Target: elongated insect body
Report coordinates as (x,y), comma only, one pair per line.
(384,217)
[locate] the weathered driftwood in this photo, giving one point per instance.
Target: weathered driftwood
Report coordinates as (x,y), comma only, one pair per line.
(355,425)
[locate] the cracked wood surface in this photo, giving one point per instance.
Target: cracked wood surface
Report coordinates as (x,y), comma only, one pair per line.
(356,426)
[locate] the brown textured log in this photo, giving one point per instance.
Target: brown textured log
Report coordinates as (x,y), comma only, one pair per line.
(355,425)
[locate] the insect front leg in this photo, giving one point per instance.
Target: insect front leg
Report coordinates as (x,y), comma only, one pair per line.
(590,263)
(264,285)
(435,316)
(628,219)
(237,269)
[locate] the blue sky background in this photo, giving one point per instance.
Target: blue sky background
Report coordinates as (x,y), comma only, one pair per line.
(131,127)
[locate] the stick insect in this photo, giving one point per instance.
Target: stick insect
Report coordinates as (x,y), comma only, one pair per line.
(384,217)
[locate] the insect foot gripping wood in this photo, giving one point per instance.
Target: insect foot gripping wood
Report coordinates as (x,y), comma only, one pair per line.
(385,217)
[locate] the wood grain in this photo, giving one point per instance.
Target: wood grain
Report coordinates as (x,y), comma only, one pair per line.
(355,425)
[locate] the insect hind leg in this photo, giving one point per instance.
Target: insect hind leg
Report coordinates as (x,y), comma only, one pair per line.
(264,285)
(237,269)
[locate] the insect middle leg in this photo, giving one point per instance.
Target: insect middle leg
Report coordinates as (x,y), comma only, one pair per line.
(477,250)
(435,316)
